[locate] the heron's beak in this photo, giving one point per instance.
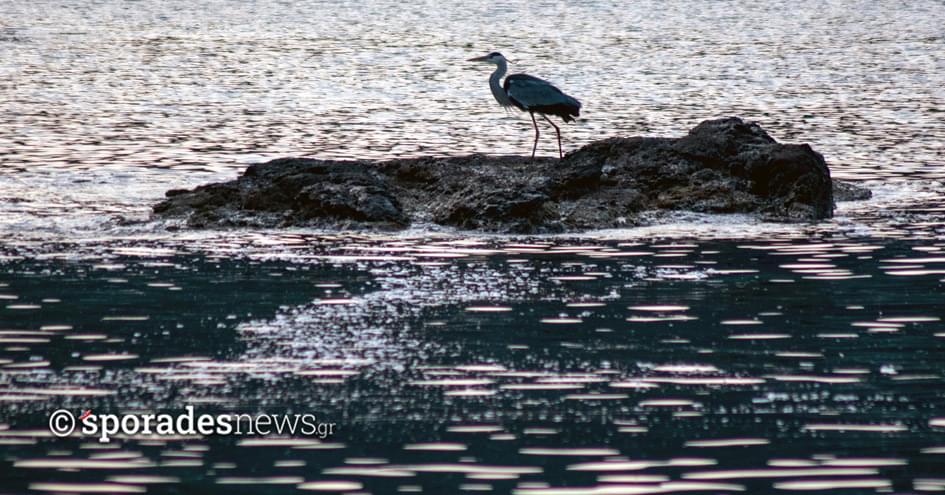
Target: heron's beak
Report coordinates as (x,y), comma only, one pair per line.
(479,59)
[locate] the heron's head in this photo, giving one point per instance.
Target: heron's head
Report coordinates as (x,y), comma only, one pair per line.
(492,58)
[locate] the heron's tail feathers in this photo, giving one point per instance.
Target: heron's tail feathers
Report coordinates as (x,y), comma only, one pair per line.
(573,108)
(566,111)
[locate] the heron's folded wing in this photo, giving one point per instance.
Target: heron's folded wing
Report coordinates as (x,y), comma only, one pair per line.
(532,92)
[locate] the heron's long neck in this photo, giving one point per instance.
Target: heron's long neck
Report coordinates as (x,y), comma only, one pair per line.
(495,84)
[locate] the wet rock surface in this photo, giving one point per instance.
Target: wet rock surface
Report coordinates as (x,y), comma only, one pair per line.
(721,166)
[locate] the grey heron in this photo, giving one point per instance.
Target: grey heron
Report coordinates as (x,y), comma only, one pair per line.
(530,94)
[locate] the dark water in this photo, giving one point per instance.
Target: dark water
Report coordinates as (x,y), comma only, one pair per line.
(491,365)
(710,354)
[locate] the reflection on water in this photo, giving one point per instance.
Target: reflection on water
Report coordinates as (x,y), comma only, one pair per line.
(459,364)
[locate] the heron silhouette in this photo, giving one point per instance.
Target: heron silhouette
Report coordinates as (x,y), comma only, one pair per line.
(530,94)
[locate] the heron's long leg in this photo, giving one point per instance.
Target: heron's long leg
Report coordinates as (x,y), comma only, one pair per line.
(558,132)
(535,123)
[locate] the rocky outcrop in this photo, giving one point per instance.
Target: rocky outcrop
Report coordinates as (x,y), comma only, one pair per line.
(721,166)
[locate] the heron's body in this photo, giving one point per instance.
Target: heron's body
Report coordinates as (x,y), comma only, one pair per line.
(530,94)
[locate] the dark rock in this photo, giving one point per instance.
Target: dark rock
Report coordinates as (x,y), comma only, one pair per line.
(291,191)
(845,191)
(721,166)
